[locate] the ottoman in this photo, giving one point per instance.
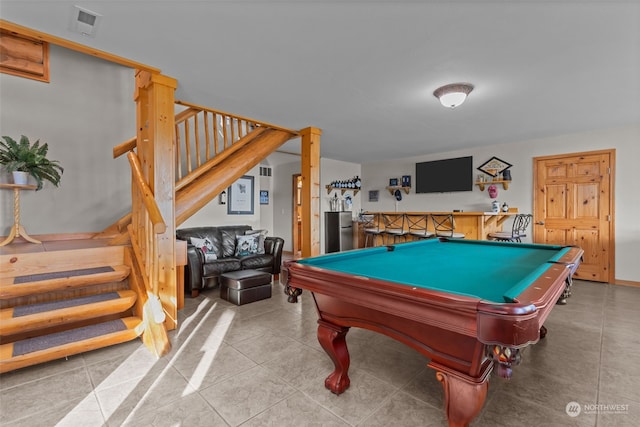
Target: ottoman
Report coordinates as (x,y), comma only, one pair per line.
(245,286)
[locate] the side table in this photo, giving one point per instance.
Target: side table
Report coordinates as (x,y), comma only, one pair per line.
(17,230)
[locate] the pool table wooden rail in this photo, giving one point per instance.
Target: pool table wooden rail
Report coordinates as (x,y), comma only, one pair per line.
(423,319)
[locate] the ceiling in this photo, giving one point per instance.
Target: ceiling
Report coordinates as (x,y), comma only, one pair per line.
(365,71)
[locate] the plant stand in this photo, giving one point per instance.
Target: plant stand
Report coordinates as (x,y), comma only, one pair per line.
(17,230)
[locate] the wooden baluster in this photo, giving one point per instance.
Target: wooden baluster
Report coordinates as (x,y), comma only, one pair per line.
(196,136)
(206,135)
(224,132)
(233,131)
(178,153)
(239,123)
(187,145)
(215,134)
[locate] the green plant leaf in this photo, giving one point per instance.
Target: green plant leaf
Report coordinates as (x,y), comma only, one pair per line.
(30,158)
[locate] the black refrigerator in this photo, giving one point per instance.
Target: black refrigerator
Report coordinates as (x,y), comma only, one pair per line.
(338,231)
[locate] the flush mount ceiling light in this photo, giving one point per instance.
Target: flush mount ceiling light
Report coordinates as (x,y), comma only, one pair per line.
(453,95)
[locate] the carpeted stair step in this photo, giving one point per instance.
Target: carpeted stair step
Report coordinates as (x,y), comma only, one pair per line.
(32,317)
(13,287)
(62,344)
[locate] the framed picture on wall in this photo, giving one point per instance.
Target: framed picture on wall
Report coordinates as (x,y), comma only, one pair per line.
(240,197)
(373,195)
(264,197)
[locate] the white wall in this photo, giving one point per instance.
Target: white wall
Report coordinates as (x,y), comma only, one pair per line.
(625,140)
(336,170)
(84,112)
(283,172)
(283,200)
(216,214)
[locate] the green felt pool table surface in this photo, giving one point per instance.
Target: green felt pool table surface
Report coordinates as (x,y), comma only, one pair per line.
(491,271)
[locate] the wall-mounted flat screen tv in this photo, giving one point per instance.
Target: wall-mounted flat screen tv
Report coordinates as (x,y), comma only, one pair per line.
(444,176)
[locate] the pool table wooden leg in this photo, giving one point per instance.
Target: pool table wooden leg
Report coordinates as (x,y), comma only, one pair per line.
(463,396)
(332,338)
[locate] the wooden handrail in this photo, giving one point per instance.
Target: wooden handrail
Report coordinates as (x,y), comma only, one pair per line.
(124,147)
(204,137)
(235,116)
(155,217)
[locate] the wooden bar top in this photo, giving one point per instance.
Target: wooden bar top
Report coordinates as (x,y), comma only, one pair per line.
(446,213)
(474,225)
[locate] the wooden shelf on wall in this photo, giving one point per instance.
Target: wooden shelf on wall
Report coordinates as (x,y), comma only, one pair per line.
(392,189)
(505,184)
(330,188)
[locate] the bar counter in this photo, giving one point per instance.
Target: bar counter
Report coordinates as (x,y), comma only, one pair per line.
(474,225)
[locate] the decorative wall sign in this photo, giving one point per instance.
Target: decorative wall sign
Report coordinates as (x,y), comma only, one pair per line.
(240,197)
(494,166)
(264,197)
(373,195)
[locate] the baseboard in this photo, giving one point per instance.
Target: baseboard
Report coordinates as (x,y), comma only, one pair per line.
(626,282)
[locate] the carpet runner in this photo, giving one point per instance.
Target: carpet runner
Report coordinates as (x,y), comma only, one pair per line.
(66,337)
(25,310)
(61,274)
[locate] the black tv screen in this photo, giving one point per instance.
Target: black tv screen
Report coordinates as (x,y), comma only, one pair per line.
(444,176)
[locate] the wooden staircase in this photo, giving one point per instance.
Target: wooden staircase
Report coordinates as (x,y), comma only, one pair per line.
(131,288)
(61,303)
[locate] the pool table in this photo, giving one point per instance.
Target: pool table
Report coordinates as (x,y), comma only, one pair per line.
(468,305)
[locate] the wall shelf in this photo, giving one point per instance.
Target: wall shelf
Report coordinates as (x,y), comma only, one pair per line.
(330,188)
(392,189)
(505,184)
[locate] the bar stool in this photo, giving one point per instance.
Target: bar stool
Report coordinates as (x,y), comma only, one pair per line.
(371,228)
(518,230)
(444,226)
(417,225)
(394,226)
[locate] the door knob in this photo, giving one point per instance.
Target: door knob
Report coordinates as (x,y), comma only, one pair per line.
(540,222)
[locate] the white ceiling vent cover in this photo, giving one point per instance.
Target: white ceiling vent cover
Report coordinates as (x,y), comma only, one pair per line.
(84,21)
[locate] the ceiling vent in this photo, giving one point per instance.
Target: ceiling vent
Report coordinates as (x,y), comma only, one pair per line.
(84,21)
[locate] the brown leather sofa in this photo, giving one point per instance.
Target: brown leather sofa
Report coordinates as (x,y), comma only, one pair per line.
(227,248)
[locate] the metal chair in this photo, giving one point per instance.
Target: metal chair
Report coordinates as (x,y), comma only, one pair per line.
(445,226)
(417,225)
(519,228)
(394,226)
(371,228)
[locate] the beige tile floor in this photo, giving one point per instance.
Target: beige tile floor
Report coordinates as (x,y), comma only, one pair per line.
(260,365)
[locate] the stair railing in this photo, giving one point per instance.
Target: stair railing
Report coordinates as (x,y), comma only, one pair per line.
(144,243)
(203,134)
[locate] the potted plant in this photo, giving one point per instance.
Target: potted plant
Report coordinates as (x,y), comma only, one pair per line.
(30,158)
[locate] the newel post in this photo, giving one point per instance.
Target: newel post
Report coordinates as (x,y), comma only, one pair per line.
(310,171)
(155,129)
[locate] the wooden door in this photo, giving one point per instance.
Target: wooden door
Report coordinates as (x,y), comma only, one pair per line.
(573,205)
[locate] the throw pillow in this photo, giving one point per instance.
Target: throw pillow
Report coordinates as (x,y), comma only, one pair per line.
(228,242)
(206,247)
(247,245)
(262,234)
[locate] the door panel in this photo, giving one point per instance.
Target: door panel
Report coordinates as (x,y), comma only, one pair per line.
(573,205)
(555,203)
